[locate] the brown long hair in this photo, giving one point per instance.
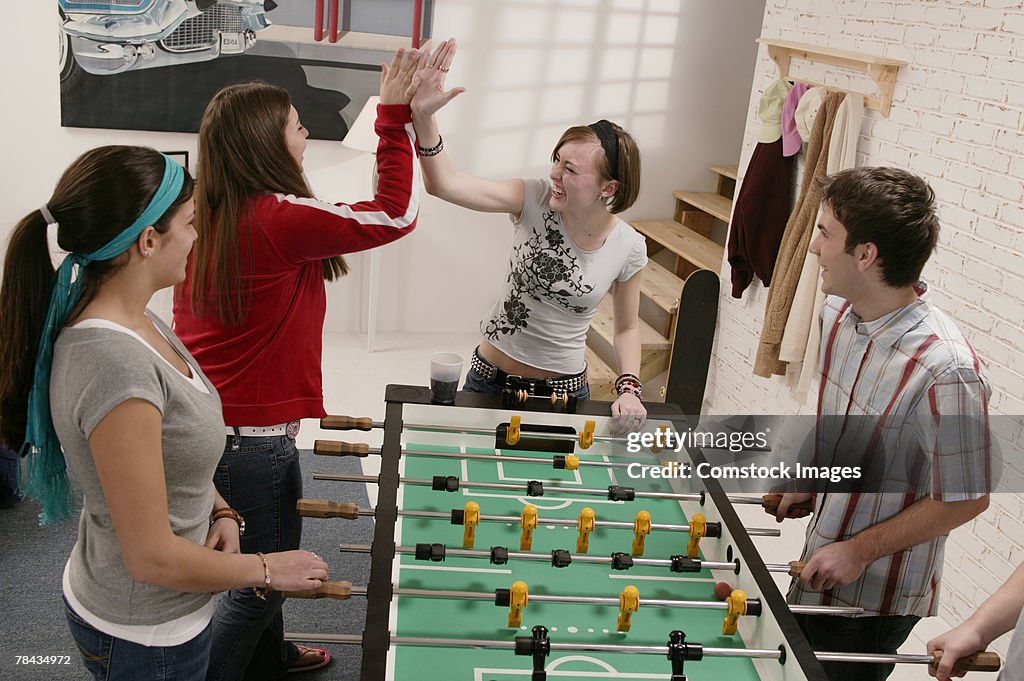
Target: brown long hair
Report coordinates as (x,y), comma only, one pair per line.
(97,197)
(242,153)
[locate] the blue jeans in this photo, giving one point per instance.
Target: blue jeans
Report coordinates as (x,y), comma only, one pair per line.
(476,383)
(834,634)
(260,478)
(109,658)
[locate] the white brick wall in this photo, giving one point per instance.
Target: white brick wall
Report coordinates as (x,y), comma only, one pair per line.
(956,119)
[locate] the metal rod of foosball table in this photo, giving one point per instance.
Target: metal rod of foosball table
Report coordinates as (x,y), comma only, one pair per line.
(504,486)
(364,423)
(321,508)
(519,459)
(549,598)
(356,639)
(567,522)
(983,661)
(597,600)
(546,557)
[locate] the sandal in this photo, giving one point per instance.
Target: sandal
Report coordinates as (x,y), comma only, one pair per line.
(309,659)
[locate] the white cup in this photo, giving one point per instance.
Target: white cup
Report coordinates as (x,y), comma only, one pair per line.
(445,372)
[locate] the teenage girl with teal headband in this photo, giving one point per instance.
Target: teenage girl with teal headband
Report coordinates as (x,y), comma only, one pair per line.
(89,368)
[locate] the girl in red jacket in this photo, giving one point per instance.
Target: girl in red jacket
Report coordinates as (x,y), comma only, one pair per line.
(252,312)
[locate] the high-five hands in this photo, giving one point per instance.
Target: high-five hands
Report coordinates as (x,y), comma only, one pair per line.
(396,80)
(428,83)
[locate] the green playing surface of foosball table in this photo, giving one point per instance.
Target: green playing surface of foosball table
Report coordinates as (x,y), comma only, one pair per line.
(566,622)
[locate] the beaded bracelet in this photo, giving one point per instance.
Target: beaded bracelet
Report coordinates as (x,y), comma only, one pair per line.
(623,378)
(261,593)
(431,151)
(630,389)
(629,383)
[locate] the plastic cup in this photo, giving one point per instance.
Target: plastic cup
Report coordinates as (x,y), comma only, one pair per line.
(445,372)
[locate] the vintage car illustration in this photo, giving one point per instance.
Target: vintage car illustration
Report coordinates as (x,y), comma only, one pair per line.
(115,36)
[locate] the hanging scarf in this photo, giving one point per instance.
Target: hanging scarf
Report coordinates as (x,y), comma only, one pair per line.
(47,474)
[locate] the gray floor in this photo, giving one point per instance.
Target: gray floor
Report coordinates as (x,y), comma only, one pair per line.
(32,560)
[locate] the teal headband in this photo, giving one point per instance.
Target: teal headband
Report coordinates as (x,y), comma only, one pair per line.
(47,477)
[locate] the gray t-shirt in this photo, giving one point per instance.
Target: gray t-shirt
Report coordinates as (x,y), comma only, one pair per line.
(553,287)
(94,370)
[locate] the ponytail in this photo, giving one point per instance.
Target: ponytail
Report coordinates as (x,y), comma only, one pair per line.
(24,298)
(104,190)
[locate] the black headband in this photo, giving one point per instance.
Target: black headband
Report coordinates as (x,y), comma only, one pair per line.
(609,139)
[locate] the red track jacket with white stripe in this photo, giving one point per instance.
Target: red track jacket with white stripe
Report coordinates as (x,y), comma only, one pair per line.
(268,369)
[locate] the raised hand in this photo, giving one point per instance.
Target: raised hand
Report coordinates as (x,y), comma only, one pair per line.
(396,80)
(428,83)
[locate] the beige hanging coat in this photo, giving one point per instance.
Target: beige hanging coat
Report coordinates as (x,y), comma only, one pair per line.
(795,240)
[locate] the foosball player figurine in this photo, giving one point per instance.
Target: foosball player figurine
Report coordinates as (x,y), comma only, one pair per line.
(528,519)
(641,528)
(585,525)
(518,597)
(470,519)
(698,530)
(629,602)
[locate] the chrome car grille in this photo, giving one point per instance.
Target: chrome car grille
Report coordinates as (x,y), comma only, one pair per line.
(203,32)
(91,4)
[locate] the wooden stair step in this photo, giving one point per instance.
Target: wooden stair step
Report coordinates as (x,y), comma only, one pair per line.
(685,243)
(600,376)
(726,171)
(604,323)
(710,202)
(661,286)
(655,349)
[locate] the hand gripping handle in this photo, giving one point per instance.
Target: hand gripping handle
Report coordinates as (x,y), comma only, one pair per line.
(770,503)
(983,661)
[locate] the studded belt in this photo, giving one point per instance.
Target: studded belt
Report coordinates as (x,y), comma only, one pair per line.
(568,383)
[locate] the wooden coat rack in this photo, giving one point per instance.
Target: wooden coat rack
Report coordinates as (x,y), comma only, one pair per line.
(880,69)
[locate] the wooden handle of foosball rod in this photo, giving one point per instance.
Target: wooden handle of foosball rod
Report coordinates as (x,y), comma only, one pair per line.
(978,662)
(346,423)
(339,591)
(339,448)
(321,508)
(796,567)
(770,503)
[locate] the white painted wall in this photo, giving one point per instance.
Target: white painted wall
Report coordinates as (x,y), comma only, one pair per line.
(956,120)
(532,68)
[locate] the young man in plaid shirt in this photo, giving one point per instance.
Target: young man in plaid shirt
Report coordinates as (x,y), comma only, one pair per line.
(900,385)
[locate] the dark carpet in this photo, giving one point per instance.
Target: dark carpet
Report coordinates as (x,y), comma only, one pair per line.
(32,561)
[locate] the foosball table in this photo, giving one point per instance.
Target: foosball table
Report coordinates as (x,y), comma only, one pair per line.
(519,538)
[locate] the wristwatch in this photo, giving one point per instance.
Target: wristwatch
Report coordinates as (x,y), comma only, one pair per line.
(228,512)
